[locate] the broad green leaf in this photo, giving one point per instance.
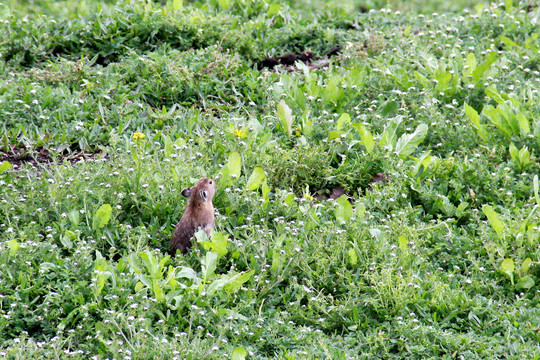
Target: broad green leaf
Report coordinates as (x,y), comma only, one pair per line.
(73,217)
(471,63)
(508,5)
(168,146)
(482,68)
(209,265)
(5,166)
(408,143)
(158,291)
(494,220)
(388,138)
(239,354)
(389,108)
(289,199)
(102,216)
(67,239)
(332,135)
(513,152)
(525,282)
(507,267)
(187,273)
(13,246)
(421,79)
(343,120)
(460,211)
(284,113)
(360,211)
(217,285)
(265,190)
(256,178)
(235,283)
(526,265)
(353,258)
(367,137)
(422,165)
(403,243)
(492,92)
(473,115)
(507,41)
(344,209)
(523,123)
(139,286)
(217,242)
(234,165)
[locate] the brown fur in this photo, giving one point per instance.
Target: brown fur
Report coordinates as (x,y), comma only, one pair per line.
(199,214)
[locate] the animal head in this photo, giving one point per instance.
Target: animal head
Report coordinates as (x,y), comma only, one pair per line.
(202,192)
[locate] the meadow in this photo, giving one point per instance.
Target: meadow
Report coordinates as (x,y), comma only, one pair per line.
(377,165)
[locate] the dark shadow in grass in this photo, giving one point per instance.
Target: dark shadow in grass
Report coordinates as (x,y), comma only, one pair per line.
(41,156)
(290,59)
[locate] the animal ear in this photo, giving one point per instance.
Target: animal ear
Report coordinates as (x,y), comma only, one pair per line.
(204,195)
(186,192)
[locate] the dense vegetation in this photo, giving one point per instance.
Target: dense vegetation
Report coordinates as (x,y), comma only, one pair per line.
(377,198)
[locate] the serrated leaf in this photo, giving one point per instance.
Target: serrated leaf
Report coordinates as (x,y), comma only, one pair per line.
(494,220)
(256,178)
(525,282)
(367,137)
(5,166)
(239,354)
(344,209)
(102,216)
(408,143)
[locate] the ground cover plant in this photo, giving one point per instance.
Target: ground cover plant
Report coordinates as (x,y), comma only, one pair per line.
(377,165)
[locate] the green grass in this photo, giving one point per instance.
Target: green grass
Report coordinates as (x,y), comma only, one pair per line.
(441,259)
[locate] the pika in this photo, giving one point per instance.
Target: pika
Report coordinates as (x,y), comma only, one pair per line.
(199,214)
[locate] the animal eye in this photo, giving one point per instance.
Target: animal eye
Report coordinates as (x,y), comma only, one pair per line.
(211,182)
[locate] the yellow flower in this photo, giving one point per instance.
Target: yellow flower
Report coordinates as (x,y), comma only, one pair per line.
(240,133)
(138,136)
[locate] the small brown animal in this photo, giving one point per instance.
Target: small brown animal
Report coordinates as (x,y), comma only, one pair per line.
(199,214)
